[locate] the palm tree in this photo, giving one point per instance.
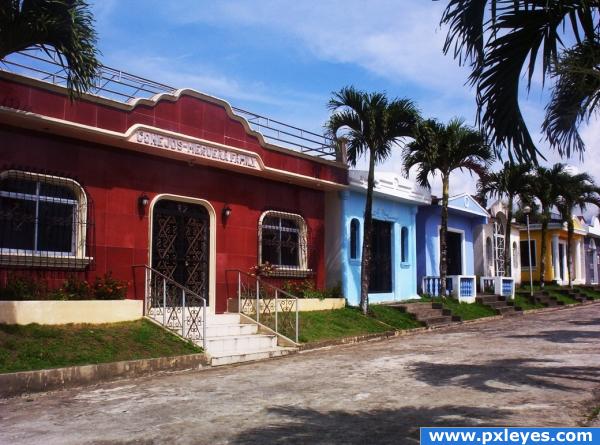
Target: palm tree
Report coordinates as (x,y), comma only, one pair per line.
(543,186)
(510,182)
(445,148)
(65,26)
(575,191)
(501,38)
(371,126)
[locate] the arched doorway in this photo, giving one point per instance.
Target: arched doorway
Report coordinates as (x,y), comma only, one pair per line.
(182,243)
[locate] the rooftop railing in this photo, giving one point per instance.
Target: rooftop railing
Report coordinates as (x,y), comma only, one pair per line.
(123,87)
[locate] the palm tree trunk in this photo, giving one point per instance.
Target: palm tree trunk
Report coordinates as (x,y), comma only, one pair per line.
(571,230)
(365,265)
(543,250)
(443,231)
(507,244)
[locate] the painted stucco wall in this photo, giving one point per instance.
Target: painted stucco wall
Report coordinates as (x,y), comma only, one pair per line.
(549,266)
(428,239)
(404,275)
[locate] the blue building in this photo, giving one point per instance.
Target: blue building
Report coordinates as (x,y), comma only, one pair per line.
(465,215)
(394,263)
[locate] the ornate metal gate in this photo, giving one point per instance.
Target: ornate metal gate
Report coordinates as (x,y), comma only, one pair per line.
(180,244)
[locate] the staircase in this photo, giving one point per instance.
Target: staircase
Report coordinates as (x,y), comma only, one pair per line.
(501,305)
(231,339)
(226,338)
(430,314)
(542,297)
(576,295)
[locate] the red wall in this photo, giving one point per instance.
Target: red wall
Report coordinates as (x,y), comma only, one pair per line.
(188,115)
(114,179)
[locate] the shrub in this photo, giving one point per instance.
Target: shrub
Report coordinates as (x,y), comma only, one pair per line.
(107,288)
(307,289)
(23,288)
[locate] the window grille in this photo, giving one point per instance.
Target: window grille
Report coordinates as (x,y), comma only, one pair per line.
(283,243)
(44,221)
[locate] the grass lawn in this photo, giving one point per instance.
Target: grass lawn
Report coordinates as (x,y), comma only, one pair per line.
(525,304)
(590,292)
(468,311)
(560,297)
(26,348)
(394,317)
(346,322)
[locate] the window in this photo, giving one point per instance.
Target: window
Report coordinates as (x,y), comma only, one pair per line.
(282,241)
(525,254)
(354,229)
(515,255)
(404,244)
(42,219)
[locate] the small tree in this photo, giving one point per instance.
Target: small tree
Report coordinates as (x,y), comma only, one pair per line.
(575,191)
(65,25)
(445,148)
(371,126)
(543,187)
(510,182)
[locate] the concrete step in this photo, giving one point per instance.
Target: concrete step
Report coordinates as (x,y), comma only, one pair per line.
(428,313)
(485,299)
(436,321)
(412,307)
(240,343)
(222,330)
(228,357)
(227,318)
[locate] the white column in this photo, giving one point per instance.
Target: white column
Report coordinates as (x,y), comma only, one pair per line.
(576,261)
(555,257)
(565,277)
(580,269)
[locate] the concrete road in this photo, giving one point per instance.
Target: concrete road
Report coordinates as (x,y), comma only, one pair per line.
(534,370)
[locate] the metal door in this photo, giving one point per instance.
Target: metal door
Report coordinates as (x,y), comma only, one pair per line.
(180,244)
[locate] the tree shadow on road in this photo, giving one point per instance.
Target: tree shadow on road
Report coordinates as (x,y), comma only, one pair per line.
(296,425)
(562,336)
(505,374)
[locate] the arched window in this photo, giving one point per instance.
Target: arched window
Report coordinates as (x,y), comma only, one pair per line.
(515,254)
(43,220)
(404,244)
(282,241)
(354,230)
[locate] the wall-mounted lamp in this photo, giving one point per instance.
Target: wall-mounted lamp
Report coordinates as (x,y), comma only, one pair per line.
(225,213)
(143,202)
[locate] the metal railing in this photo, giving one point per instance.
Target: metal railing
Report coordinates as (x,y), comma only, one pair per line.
(174,306)
(121,86)
(265,304)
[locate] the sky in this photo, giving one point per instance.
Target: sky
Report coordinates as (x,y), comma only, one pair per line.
(284,58)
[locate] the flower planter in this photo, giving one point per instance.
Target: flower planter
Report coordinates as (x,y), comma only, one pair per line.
(63,312)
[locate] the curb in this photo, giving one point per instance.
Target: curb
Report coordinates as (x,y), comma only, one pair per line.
(24,382)
(327,344)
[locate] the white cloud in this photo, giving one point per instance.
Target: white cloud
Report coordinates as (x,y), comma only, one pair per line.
(400,41)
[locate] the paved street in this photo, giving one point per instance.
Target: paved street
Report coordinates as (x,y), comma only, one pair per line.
(537,370)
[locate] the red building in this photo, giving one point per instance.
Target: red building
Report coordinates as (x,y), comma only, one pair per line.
(179,181)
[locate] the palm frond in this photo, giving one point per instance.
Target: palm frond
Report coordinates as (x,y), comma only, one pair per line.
(67,26)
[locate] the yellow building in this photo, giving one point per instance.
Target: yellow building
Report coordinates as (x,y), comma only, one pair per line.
(556,253)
